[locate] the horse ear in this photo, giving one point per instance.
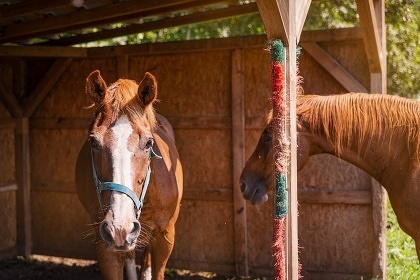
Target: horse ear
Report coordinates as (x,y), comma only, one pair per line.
(95,86)
(147,90)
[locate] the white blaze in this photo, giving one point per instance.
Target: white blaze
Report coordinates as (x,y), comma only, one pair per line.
(121,204)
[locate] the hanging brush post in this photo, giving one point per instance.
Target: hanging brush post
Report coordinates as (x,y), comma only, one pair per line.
(281,154)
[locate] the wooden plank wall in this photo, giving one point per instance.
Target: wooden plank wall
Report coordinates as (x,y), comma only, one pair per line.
(8,215)
(216,95)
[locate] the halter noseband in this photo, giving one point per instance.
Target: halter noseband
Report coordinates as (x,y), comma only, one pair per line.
(111,186)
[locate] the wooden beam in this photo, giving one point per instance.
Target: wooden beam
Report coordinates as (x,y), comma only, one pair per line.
(196,17)
(10,101)
(379,195)
(60,123)
(333,67)
(23,179)
(44,86)
(206,193)
(41,51)
(302,10)
(290,82)
(117,11)
(291,176)
(369,23)
(379,201)
(177,123)
(332,35)
(19,77)
(336,197)
(7,123)
(257,41)
(25,8)
(8,188)
(238,162)
(275,18)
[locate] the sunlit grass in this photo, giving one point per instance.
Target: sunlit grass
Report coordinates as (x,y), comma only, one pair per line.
(402,257)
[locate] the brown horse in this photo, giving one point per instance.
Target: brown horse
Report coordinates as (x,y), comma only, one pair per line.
(119,176)
(380,134)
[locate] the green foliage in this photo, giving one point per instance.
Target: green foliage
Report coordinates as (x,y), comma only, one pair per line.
(403,47)
(331,14)
(402,257)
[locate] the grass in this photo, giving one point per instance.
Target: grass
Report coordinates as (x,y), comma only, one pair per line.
(402,258)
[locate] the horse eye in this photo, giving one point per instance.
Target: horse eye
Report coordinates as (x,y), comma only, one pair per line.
(93,142)
(149,143)
(268,137)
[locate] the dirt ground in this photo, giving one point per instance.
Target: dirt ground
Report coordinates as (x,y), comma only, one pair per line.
(54,268)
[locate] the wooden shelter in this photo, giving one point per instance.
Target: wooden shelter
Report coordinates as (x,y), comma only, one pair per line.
(215,93)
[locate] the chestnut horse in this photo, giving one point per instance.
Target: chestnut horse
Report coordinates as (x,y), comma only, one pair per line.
(119,176)
(378,133)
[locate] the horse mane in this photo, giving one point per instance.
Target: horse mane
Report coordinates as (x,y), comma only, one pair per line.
(124,98)
(342,118)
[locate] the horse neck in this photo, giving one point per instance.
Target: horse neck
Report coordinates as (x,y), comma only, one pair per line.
(383,159)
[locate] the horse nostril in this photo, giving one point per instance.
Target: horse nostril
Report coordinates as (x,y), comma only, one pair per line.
(105,232)
(136,228)
(243,186)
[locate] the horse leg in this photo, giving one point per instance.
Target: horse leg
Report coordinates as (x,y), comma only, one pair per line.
(111,264)
(130,266)
(146,269)
(417,242)
(161,251)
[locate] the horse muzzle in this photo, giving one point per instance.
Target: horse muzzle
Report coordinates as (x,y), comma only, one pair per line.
(118,237)
(256,193)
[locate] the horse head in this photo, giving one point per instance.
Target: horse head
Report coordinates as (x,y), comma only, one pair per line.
(257,176)
(121,143)
(257,179)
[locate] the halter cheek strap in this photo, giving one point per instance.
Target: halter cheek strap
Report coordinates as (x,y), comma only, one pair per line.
(111,186)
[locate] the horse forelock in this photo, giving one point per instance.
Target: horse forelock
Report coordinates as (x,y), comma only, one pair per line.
(356,116)
(123,99)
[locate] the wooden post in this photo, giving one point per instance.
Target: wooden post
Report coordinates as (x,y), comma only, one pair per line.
(379,195)
(23,178)
(292,215)
(238,144)
(282,19)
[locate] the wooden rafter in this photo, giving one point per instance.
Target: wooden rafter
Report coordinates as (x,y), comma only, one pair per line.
(275,19)
(159,24)
(333,67)
(369,23)
(25,8)
(10,101)
(45,85)
(302,9)
(113,12)
(41,51)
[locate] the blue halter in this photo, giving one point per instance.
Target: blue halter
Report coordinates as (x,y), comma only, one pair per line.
(111,186)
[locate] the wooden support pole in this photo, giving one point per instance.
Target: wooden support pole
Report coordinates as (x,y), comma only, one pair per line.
(283,20)
(372,38)
(23,196)
(291,181)
(379,195)
(238,144)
